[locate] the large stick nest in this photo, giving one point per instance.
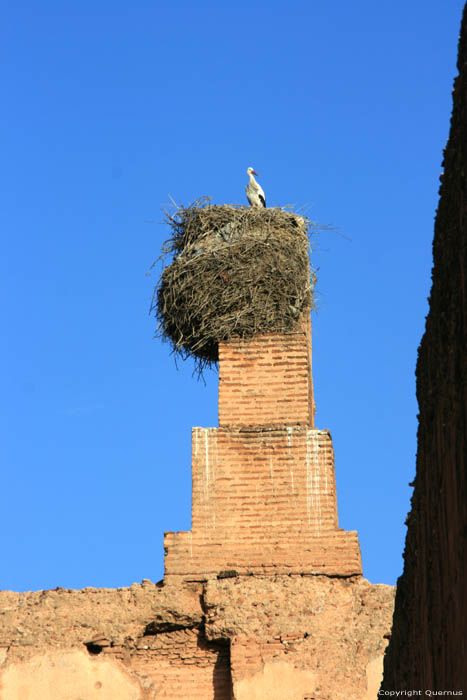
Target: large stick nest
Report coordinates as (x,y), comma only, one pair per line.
(234,271)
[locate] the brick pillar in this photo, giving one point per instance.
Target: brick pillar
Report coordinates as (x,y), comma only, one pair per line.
(264,493)
(267,380)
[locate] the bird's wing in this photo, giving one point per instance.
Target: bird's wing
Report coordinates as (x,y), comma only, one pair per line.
(261,196)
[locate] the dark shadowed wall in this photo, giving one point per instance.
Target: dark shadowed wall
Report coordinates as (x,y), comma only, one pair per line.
(428,648)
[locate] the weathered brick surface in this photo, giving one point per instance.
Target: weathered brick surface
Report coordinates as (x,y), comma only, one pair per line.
(274,483)
(264,491)
(280,626)
(310,606)
(337,554)
(267,380)
(69,618)
(268,638)
(264,501)
(146,642)
(183,664)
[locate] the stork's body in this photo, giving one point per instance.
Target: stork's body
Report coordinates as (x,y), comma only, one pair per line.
(254,191)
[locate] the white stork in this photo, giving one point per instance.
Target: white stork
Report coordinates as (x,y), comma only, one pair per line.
(254,191)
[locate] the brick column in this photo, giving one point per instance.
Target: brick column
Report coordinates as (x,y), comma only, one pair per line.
(267,380)
(264,493)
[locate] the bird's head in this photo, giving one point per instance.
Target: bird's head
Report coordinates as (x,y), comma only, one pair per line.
(250,171)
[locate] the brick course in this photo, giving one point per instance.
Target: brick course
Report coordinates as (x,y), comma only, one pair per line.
(183,664)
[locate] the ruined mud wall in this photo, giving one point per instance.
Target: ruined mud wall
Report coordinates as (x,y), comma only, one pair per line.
(137,643)
(238,638)
(429,641)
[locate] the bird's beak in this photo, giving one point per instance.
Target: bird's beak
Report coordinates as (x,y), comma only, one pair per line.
(254,173)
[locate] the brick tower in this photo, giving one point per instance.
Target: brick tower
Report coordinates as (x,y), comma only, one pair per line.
(264,492)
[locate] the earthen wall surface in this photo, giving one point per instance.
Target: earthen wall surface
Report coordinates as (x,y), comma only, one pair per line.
(270,637)
(428,649)
(146,641)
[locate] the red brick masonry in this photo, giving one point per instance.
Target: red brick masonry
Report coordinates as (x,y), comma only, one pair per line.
(267,380)
(264,493)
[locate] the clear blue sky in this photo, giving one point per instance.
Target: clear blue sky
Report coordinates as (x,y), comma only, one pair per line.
(109,107)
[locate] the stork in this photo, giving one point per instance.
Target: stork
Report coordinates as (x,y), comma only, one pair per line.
(254,191)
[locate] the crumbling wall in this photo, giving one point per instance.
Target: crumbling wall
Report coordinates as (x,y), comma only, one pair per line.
(295,637)
(429,642)
(136,643)
(238,638)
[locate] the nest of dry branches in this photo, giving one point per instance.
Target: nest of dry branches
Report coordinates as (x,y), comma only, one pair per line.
(234,271)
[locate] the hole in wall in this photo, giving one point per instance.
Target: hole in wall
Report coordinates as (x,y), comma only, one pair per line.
(229,573)
(93,648)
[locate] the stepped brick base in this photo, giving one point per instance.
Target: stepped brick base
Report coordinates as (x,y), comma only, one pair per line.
(190,557)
